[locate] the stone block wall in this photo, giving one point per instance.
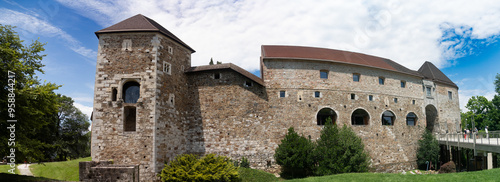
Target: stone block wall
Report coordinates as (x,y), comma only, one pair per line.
(105,171)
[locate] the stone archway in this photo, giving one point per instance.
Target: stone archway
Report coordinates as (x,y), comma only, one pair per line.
(431,117)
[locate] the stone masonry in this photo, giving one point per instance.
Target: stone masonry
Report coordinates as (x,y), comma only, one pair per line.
(226,110)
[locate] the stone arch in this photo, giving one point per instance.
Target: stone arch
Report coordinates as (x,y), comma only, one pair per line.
(388,118)
(325,113)
(411,119)
(360,117)
(431,117)
(131,92)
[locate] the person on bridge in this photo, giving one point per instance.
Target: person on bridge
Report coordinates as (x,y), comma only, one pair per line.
(486,130)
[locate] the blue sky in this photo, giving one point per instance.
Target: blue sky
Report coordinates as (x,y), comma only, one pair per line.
(460,37)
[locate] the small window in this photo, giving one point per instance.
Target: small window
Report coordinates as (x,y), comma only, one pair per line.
(282,93)
(388,118)
(413,102)
(450,95)
(403,84)
(428,90)
(395,100)
(411,119)
(170,50)
(323,74)
(131,92)
(317,94)
(355,77)
(171,100)
(167,68)
(381,80)
(353,96)
(114,92)
(129,117)
(370,97)
(216,75)
(248,83)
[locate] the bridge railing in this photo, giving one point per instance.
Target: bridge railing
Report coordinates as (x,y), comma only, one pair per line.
(490,138)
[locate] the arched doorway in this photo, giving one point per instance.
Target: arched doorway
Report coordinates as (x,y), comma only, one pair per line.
(324,114)
(360,117)
(431,117)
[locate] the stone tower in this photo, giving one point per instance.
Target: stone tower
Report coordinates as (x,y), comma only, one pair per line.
(138,97)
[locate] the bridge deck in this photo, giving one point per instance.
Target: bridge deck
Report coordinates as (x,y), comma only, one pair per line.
(481,142)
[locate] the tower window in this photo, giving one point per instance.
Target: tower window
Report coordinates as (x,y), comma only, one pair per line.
(317,94)
(370,97)
(381,80)
(114,92)
(450,95)
(167,68)
(353,96)
(395,100)
(323,74)
(282,93)
(355,77)
(131,92)
(170,50)
(216,75)
(248,83)
(428,90)
(129,118)
(403,84)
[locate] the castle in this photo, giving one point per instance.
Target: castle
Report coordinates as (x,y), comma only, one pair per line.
(150,104)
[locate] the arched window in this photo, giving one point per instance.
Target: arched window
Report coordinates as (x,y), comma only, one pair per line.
(388,118)
(411,119)
(360,117)
(131,92)
(324,114)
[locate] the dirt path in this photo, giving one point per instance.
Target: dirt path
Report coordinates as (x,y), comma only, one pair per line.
(25,169)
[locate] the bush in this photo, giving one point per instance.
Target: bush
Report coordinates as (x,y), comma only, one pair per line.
(244,162)
(428,150)
(295,155)
(188,167)
(448,167)
(340,151)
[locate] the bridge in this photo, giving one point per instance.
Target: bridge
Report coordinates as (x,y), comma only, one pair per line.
(479,142)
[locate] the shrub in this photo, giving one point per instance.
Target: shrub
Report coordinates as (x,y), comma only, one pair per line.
(448,167)
(188,167)
(339,151)
(244,162)
(428,149)
(295,155)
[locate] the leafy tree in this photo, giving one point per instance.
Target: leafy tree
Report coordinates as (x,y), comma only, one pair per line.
(340,151)
(35,102)
(295,155)
(497,83)
(211,62)
(479,108)
(428,149)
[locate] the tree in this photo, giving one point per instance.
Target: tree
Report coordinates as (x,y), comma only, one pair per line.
(497,83)
(479,108)
(295,155)
(340,151)
(428,150)
(35,102)
(211,62)
(218,62)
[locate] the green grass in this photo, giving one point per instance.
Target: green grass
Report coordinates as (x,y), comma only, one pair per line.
(248,174)
(483,176)
(6,168)
(67,170)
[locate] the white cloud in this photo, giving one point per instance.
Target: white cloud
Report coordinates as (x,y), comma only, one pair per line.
(85,109)
(404,31)
(481,86)
(34,25)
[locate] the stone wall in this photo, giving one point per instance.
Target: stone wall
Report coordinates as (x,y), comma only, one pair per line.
(105,171)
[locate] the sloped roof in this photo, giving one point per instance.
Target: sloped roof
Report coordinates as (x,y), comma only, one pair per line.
(431,72)
(141,23)
(332,55)
(227,66)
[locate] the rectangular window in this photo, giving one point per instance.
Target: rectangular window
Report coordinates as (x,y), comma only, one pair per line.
(216,75)
(282,93)
(317,94)
(428,90)
(323,74)
(170,50)
(370,97)
(413,102)
(450,95)
(403,84)
(114,92)
(355,77)
(248,83)
(129,118)
(395,100)
(167,68)
(353,96)
(381,80)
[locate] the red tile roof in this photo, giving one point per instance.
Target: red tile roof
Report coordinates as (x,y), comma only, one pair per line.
(141,23)
(332,55)
(227,66)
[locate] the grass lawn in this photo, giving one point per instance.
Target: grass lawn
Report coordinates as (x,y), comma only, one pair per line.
(67,170)
(248,174)
(483,176)
(6,168)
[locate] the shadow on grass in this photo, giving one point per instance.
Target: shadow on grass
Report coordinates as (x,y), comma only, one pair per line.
(16,177)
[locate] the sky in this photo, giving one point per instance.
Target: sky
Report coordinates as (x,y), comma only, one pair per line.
(460,37)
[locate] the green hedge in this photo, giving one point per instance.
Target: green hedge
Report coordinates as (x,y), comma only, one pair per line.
(188,167)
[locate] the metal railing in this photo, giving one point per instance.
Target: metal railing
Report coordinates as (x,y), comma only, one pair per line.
(490,138)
